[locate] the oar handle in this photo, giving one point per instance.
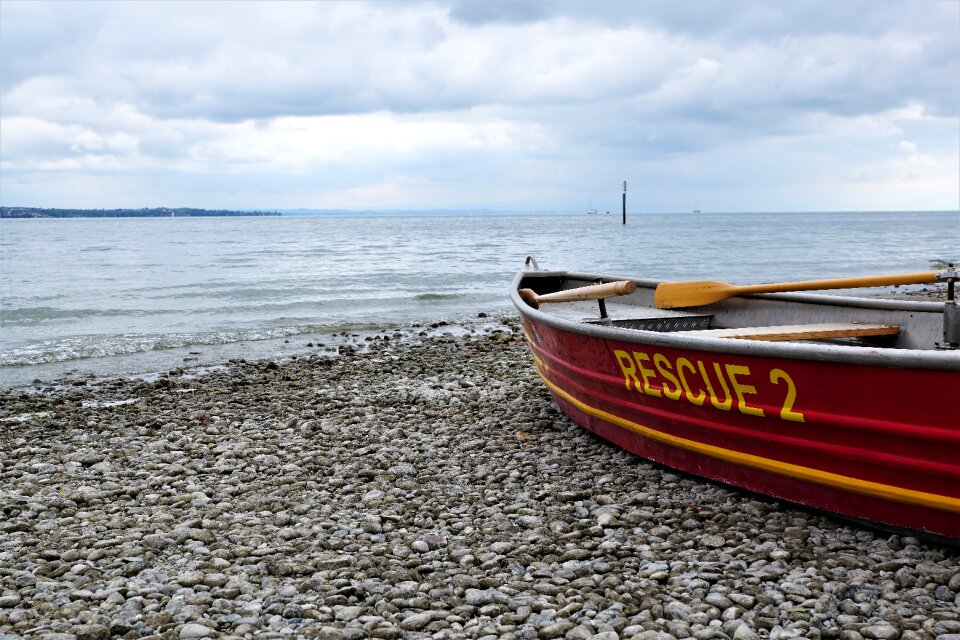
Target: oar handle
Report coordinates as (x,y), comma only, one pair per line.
(920,277)
(590,292)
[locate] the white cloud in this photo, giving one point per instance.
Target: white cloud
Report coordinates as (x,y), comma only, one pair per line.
(906,145)
(885,124)
(300,143)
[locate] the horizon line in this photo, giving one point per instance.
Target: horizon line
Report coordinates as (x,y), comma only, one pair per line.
(466,210)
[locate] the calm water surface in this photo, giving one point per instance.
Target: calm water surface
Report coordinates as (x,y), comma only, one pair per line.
(128,295)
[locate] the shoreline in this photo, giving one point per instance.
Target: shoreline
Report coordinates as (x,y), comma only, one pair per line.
(421,488)
(151,363)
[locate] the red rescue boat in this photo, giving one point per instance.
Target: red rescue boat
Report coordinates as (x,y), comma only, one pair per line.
(844,404)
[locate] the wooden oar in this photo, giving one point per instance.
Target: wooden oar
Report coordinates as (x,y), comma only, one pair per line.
(591,292)
(670,295)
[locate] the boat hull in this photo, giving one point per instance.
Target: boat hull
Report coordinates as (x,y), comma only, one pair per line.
(874,443)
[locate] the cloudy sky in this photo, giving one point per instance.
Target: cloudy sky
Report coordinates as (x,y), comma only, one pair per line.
(534,105)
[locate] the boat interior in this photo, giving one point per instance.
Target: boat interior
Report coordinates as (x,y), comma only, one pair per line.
(771,317)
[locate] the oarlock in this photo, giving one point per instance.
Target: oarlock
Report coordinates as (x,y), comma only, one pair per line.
(951,311)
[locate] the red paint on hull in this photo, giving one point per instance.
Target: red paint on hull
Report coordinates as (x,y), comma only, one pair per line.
(873,443)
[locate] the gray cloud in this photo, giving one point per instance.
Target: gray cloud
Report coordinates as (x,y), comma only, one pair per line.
(258,61)
(508,90)
(487,11)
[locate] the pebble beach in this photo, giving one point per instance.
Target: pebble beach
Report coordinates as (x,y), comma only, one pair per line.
(410,486)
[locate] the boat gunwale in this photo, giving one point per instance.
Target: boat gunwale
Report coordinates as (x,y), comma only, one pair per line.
(870,356)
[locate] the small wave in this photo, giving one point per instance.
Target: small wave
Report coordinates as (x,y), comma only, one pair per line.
(30,315)
(89,347)
(428,297)
(95,347)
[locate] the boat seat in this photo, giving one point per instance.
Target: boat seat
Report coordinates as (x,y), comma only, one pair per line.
(801,331)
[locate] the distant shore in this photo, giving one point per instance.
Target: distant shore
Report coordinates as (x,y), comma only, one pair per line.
(156,212)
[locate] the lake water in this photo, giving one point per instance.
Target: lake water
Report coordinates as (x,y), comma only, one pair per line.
(135,295)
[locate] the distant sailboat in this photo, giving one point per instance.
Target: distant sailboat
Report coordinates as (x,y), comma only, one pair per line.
(591,211)
(696,209)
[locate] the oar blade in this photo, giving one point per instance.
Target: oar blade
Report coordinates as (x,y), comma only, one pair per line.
(671,295)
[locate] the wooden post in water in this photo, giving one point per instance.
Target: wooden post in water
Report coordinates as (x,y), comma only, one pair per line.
(624,202)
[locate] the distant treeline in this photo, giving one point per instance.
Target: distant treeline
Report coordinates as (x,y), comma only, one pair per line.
(159,212)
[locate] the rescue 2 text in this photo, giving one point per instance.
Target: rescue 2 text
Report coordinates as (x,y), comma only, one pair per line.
(654,374)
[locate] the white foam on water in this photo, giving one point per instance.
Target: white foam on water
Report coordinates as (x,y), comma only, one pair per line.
(25,417)
(94,404)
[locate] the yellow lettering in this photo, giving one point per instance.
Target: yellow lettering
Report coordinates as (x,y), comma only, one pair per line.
(787,412)
(646,374)
(734,370)
(665,368)
(642,370)
(628,369)
(714,400)
(683,363)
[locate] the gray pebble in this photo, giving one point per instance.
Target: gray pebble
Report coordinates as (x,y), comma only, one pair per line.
(416,621)
(195,631)
(744,632)
(91,632)
(880,632)
(421,489)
